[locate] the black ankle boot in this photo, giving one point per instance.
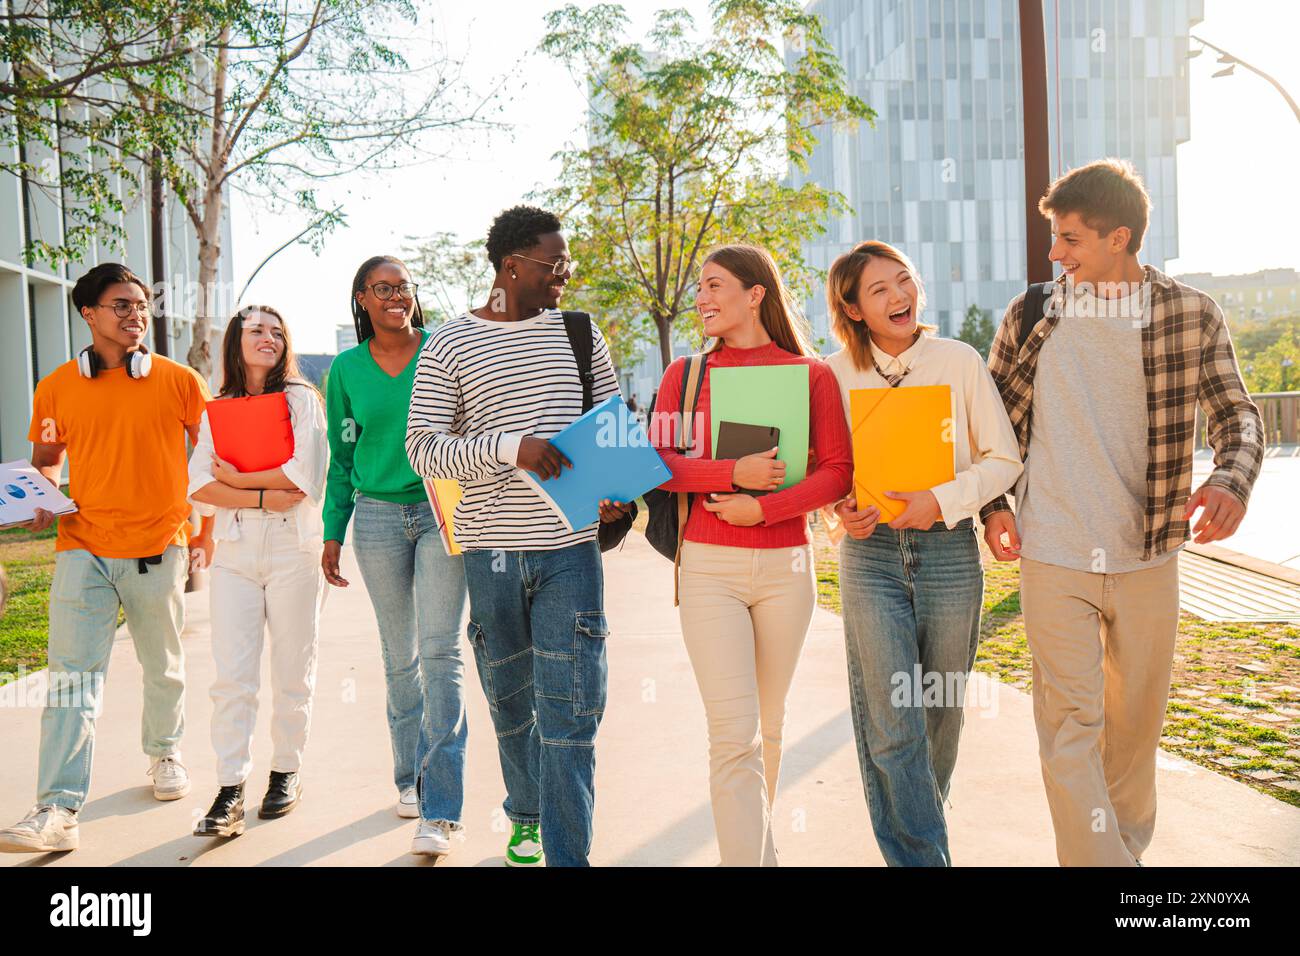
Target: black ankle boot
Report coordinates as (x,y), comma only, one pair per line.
(282,794)
(226,818)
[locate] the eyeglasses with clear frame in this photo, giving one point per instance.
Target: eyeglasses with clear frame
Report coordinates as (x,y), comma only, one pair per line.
(557,268)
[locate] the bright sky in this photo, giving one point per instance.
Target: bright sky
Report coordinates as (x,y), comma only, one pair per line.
(1238,198)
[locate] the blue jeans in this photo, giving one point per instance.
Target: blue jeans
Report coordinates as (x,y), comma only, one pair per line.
(912,603)
(418,593)
(537,626)
(84,597)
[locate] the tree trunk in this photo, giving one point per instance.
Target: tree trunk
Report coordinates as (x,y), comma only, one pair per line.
(665,328)
(207,300)
(208,217)
(158,256)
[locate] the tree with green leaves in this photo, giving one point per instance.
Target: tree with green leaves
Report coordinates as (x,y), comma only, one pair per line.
(977,330)
(454,276)
(297,93)
(689,140)
(68,125)
(1275,368)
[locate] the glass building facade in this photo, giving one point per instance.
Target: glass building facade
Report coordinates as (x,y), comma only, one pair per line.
(942,174)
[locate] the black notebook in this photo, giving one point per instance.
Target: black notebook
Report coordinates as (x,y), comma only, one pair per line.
(736,441)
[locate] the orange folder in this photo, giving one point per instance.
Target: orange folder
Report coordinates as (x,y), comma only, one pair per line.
(444,495)
(902,441)
(254,433)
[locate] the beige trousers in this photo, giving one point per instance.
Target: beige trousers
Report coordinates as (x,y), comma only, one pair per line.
(1103,648)
(745,615)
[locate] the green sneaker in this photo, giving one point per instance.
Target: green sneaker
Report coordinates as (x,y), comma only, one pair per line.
(525,846)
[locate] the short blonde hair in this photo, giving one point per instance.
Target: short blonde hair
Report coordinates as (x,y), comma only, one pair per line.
(842,292)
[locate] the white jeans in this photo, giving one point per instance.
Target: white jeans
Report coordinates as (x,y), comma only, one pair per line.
(262,580)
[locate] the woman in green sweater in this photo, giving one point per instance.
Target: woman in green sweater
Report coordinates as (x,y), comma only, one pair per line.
(416,588)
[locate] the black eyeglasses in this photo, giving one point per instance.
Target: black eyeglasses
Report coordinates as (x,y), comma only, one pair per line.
(385,290)
(557,268)
(122,308)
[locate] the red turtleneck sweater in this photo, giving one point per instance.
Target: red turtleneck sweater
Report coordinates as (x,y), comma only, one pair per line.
(784,523)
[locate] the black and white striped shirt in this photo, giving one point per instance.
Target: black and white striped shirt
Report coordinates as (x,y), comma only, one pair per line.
(480,387)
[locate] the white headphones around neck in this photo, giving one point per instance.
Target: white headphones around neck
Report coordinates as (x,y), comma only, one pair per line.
(138,363)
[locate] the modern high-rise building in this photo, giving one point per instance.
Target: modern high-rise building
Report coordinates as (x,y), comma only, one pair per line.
(942,174)
(345,337)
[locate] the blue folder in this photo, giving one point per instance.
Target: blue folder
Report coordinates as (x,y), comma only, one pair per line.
(612,458)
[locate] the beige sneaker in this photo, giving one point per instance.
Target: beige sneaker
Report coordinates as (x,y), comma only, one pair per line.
(432,838)
(47,829)
(171,780)
(408,804)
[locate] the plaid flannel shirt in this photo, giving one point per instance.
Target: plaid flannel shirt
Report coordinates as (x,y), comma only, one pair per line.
(1188,360)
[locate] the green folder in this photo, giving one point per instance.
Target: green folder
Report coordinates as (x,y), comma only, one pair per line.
(772,395)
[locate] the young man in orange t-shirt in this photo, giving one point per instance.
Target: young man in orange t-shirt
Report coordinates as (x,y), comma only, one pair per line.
(120,416)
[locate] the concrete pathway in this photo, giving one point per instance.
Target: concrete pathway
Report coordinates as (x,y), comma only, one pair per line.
(652,783)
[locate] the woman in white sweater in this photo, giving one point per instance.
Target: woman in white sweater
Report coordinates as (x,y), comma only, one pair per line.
(266,573)
(912,588)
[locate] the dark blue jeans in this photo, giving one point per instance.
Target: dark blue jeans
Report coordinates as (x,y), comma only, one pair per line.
(537,626)
(912,603)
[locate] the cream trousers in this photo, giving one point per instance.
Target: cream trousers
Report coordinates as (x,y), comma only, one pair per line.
(1103,647)
(263,581)
(745,615)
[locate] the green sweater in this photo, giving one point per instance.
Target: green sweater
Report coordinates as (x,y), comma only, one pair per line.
(366,408)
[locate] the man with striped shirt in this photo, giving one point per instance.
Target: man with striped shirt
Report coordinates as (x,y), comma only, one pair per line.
(490,388)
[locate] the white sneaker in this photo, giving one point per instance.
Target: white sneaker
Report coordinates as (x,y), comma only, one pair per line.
(408,804)
(171,781)
(432,838)
(46,829)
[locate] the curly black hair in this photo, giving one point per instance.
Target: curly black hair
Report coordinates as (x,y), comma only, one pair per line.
(516,229)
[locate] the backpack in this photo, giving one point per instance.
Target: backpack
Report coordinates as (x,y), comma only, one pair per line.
(577,325)
(669,510)
(1032,310)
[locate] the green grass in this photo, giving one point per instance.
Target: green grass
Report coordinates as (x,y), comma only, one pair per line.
(28,560)
(1224,720)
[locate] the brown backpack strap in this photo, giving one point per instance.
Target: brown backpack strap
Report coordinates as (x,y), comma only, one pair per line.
(692,382)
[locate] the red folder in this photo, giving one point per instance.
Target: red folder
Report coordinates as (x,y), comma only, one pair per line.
(253,433)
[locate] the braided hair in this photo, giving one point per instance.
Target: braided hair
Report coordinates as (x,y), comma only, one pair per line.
(360,317)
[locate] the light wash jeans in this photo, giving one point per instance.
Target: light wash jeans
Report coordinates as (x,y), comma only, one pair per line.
(84,599)
(418,593)
(912,603)
(263,581)
(537,626)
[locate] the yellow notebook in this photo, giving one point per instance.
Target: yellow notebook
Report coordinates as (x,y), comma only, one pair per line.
(902,441)
(444,495)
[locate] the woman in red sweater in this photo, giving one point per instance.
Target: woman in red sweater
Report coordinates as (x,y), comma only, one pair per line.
(746,586)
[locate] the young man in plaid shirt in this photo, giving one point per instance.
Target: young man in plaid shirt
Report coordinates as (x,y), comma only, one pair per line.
(1102,390)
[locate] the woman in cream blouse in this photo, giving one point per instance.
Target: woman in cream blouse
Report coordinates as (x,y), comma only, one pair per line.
(912,588)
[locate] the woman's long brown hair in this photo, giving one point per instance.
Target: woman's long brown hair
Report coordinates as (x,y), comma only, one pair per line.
(753,265)
(234,378)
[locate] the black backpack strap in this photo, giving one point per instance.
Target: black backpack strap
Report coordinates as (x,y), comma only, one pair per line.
(1032,310)
(578,327)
